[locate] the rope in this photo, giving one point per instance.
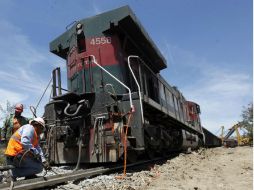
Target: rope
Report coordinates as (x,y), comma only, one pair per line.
(125,144)
(218,131)
(79,150)
(125,147)
(43,93)
(27,151)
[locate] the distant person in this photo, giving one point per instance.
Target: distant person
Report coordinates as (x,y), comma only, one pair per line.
(24,151)
(13,122)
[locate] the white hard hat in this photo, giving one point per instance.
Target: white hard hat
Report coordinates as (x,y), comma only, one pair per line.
(38,120)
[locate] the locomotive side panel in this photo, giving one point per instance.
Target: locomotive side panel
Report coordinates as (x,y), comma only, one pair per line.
(84,76)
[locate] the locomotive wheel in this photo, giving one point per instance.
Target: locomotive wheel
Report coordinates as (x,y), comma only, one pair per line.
(150,153)
(132,156)
(200,143)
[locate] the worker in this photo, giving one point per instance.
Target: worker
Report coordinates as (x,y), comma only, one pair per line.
(13,122)
(24,152)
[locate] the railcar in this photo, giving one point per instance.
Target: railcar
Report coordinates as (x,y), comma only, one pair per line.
(116,99)
(211,140)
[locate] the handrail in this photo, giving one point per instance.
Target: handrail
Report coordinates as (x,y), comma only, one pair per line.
(139,91)
(131,104)
(166,87)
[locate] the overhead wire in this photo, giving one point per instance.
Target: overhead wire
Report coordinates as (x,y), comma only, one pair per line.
(218,131)
(43,93)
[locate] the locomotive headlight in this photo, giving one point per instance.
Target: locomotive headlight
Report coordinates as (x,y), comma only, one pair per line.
(79,27)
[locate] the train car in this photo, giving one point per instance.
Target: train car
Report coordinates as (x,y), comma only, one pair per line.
(211,140)
(116,98)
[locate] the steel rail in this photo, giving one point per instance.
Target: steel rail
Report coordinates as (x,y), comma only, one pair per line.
(42,182)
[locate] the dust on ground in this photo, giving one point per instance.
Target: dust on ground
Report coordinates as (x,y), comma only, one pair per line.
(207,169)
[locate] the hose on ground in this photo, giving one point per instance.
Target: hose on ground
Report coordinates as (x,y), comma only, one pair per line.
(79,154)
(79,148)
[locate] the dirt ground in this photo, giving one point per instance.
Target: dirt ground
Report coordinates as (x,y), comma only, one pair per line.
(208,169)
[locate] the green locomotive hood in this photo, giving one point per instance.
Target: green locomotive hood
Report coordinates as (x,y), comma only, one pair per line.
(109,22)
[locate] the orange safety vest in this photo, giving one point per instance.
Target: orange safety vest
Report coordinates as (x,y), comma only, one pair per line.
(15,147)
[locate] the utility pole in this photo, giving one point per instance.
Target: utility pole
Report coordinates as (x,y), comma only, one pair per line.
(222,134)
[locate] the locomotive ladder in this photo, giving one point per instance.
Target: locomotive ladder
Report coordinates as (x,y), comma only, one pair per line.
(98,128)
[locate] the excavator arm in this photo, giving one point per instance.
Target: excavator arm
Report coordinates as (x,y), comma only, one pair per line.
(240,139)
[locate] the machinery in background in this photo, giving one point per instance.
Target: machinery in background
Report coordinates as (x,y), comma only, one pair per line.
(240,140)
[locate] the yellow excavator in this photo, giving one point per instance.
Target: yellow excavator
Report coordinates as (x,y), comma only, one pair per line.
(240,140)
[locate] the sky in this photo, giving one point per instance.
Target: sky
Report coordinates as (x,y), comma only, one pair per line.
(207,45)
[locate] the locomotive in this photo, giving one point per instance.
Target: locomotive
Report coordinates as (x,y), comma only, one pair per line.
(116,99)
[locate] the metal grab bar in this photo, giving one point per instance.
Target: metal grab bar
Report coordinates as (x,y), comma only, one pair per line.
(77,110)
(131,104)
(139,91)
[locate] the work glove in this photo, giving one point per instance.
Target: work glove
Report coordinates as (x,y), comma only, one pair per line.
(46,165)
(32,154)
(37,157)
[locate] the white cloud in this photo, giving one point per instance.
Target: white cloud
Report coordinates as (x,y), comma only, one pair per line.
(96,9)
(18,55)
(19,81)
(11,96)
(220,90)
(221,94)
(22,67)
(167,53)
(16,49)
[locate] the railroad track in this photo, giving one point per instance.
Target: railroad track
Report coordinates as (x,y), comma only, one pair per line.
(57,179)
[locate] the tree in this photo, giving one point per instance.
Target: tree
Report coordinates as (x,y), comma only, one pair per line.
(247,122)
(4,112)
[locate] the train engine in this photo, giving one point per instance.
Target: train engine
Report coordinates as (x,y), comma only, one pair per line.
(116,98)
